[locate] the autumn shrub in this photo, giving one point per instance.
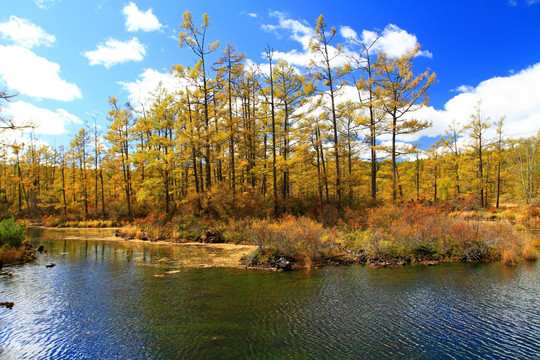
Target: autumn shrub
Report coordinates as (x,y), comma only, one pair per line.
(416,232)
(529,251)
(128,231)
(300,238)
(189,227)
(355,240)
(11,255)
(531,216)
(236,230)
(509,257)
(407,231)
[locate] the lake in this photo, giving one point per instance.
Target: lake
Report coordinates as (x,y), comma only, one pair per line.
(120,300)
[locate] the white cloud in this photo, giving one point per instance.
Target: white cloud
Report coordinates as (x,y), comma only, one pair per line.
(348,33)
(44,4)
(394,41)
(137,20)
(296,30)
(464,89)
(24,33)
(302,33)
(115,52)
(517,97)
(253,15)
(46,122)
(140,91)
(35,76)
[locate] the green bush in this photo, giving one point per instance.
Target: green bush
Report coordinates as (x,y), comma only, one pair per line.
(11,234)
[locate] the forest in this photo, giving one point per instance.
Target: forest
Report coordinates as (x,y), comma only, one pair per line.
(241,141)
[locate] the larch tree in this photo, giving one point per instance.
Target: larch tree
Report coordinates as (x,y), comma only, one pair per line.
(269,96)
(451,144)
(349,132)
(230,66)
(79,145)
(499,148)
(195,38)
(364,64)
(250,104)
(476,129)
(402,93)
(329,74)
(526,166)
(161,155)
(120,137)
(96,133)
(291,95)
(434,155)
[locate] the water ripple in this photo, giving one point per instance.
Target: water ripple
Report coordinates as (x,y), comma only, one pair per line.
(102,301)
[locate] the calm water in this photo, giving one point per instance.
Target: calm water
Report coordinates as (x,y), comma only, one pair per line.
(106,300)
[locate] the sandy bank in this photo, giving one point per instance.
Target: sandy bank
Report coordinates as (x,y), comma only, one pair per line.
(191,254)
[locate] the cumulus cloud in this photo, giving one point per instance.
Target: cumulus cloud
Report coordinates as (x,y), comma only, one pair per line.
(142,90)
(393,40)
(45,121)
(32,75)
(115,52)
(25,33)
(296,30)
(302,33)
(348,33)
(137,20)
(516,96)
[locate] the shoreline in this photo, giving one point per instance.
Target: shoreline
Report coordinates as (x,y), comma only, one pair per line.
(140,241)
(239,252)
(231,257)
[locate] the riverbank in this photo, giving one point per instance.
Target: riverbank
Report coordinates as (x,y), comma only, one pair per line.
(387,235)
(213,255)
(17,256)
(13,249)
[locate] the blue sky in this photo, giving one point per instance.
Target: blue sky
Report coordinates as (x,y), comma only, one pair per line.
(65,57)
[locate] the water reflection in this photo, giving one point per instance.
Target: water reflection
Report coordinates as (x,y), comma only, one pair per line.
(103,300)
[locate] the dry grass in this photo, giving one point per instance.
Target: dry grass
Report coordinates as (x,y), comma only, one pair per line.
(419,233)
(530,251)
(11,255)
(301,238)
(509,257)
(128,232)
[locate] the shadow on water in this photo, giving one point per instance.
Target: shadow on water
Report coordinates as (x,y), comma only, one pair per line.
(115,300)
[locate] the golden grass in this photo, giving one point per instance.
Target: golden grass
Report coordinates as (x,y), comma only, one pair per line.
(509,257)
(529,251)
(11,256)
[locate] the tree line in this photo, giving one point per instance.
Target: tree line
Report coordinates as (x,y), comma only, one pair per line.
(274,137)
